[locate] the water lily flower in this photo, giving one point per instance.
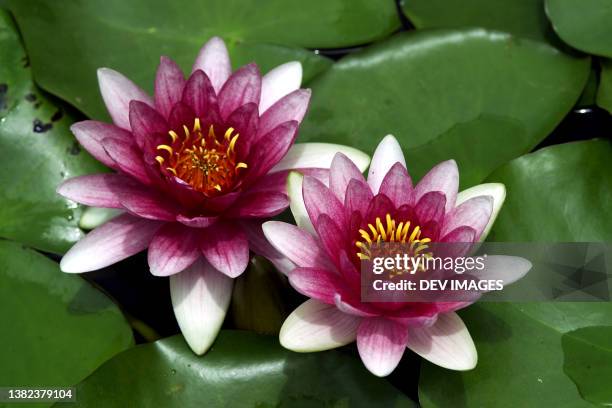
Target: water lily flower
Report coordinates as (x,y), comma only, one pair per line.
(335,224)
(198,167)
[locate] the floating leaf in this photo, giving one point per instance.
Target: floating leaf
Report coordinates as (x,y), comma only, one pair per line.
(588,361)
(37,152)
(604,92)
(520,358)
(585,25)
(561,193)
(130,36)
(524,18)
(478,96)
(56,328)
(242,369)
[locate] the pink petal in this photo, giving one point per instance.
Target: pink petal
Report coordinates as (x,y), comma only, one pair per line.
(181,114)
(360,309)
(444,178)
(127,158)
(196,222)
(226,247)
(290,107)
(446,343)
(96,190)
(332,238)
(90,134)
(146,123)
(397,185)
(316,326)
(358,197)
(341,172)
(271,183)
(174,248)
(474,213)
(260,245)
(112,242)
(279,82)
(214,60)
(381,344)
(146,202)
(431,207)
(320,200)
(296,244)
(378,207)
(461,235)
(245,121)
(117,92)
(200,298)
(199,94)
(265,155)
(242,87)
(388,152)
(169,83)
(316,283)
(259,205)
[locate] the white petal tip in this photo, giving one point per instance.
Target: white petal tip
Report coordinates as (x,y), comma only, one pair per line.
(70,265)
(93,217)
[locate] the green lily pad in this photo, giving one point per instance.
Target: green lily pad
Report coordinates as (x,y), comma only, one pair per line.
(604,92)
(130,36)
(585,25)
(524,18)
(561,193)
(56,328)
(242,369)
(588,361)
(520,357)
(37,152)
(478,96)
(589,93)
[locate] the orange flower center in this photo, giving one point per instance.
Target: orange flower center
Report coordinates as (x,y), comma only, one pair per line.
(207,164)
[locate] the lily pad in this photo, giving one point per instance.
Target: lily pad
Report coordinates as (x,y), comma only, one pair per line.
(130,36)
(588,361)
(604,92)
(37,152)
(520,357)
(561,193)
(524,18)
(478,96)
(56,328)
(585,25)
(242,369)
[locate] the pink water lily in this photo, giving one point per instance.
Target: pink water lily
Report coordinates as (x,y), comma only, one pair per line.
(337,220)
(197,169)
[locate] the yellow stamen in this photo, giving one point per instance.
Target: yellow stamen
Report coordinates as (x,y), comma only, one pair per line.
(390,231)
(228,133)
(209,164)
(165,147)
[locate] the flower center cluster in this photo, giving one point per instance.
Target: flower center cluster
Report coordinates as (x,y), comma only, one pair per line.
(201,159)
(390,231)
